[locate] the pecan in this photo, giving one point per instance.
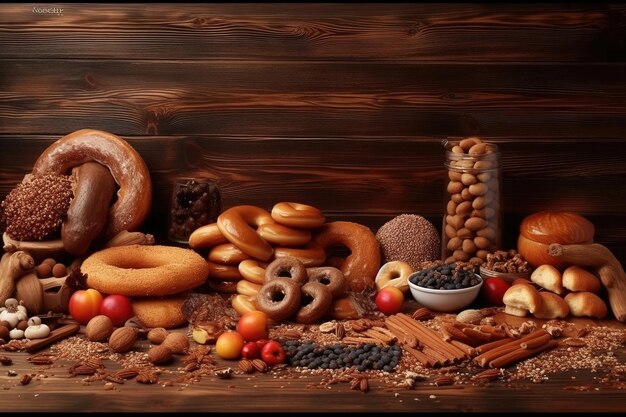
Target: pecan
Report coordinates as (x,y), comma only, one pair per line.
(364,385)
(93,363)
(327,327)
(340,331)
(147,377)
(128,373)
(260,366)
(355,383)
(113,378)
(360,325)
(488,375)
(246,366)
(26,379)
(192,366)
(292,334)
(443,380)
(5,360)
(422,314)
(574,342)
(223,373)
(81,369)
(582,332)
(41,359)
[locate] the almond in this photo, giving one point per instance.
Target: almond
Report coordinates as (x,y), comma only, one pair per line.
(123,339)
(159,354)
(157,336)
(177,343)
(99,328)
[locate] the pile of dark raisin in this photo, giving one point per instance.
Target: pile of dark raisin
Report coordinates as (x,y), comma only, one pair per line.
(445,277)
(194,204)
(310,355)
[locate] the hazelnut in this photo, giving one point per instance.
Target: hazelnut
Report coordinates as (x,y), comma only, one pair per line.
(157,335)
(123,339)
(59,271)
(4,332)
(22,325)
(44,271)
(159,354)
(176,342)
(99,328)
(6,324)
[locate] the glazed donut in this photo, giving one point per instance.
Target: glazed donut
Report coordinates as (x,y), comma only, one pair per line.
(86,217)
(243,304)
(279,299)
(361,266)
(283,235)
(245,287)
(139,270)
(129,170)
(225,287)
(227,254)
(206,236)
(330,277)
(160,312)
(235,224)
(316,300)
(311,255)
(219,272)
(251,271)
(287,267)
(394,274)
(299,216)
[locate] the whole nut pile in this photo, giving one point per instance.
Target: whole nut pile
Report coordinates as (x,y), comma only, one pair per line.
(472,221)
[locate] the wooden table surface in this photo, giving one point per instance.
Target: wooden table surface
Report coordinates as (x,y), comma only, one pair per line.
(277,392)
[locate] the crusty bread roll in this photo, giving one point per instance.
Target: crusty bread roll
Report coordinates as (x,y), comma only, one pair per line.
(552,306)
(586,304)
(163,312)
(576,278)
(519,299)
(548,277)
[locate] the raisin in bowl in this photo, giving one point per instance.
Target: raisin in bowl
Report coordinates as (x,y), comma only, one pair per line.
(445,288)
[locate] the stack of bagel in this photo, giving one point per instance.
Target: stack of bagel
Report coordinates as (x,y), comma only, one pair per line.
(245,239)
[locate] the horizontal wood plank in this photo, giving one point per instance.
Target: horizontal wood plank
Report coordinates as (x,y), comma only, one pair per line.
(421,32)
(322,99)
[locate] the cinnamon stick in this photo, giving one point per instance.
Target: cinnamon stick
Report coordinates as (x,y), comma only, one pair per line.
(469,351)
(492,345)
(485,358)
(521,354)
(434,339)
(55,335)
(535,343)
(421,357)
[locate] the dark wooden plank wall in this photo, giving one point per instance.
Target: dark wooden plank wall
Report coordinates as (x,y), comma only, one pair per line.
(339,105)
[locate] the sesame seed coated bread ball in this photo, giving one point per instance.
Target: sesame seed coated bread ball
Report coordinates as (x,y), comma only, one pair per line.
(409,238)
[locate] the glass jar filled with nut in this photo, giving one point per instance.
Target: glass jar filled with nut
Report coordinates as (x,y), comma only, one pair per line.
(472,221)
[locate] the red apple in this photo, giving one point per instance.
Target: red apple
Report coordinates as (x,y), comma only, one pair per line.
(261,343)
(493,290)
(229,345)
(118,308)
(273,353)
(389,300)
(253,326)
(251,351)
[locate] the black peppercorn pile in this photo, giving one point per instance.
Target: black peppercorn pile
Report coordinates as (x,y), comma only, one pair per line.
(445,277)
(368,356)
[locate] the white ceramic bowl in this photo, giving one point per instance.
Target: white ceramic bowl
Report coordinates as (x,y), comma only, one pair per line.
(446,301)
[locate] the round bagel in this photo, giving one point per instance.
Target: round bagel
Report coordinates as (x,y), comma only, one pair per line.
(139,270)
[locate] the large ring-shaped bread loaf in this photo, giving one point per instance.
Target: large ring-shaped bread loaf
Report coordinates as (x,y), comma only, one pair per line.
(139,270)
(129,170)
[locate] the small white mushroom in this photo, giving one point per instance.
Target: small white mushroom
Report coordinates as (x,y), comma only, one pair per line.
(10,314)
(16,334)
(35,329)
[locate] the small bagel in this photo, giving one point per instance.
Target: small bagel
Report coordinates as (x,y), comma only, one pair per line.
(311,255)
(160,312)
(361,266)
(243,304)
(139,270)
(206,236)
(219,272)
(317,299)
(245,287)
(224,287)
(297,215)
(279,299)
(235,224)
(284,236)
(227,254)
(252,271)
(330,277)
(395,274)
(287,267)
